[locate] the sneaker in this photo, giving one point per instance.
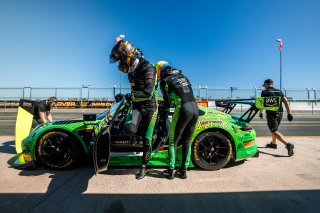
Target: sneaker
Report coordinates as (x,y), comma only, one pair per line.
(182,173)
(141,173)
(168,173)
(272,145)
(290,148)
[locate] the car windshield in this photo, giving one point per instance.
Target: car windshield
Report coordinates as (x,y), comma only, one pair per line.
(114,107)
(102,115)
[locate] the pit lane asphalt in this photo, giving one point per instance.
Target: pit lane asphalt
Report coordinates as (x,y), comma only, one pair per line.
(273,182)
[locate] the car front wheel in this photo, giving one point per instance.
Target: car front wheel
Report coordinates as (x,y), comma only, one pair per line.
(57,150)
(211,150)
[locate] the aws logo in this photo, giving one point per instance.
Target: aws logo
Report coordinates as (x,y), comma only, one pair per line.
(272,101)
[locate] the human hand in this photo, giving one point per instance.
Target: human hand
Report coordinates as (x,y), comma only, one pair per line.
(128,96)
(119,97)
(290,117)
(261,115)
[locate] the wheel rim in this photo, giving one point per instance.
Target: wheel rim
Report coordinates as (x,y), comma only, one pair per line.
(212,150)
(56,150)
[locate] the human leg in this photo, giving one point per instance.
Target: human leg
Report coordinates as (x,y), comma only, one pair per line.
(273,121)
(273,126)
(174,130)
(187,134)
(185,140)
(146,127)
(133,121)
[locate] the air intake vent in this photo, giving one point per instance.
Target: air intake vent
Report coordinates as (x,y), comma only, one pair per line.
(66,122)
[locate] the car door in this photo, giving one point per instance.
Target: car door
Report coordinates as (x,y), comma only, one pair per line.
(101,150)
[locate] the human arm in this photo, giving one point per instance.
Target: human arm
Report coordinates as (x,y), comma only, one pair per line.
(49,116)
(166,99)
(263,94)
(42,117)
(148,88)
(286,104)
(260,113)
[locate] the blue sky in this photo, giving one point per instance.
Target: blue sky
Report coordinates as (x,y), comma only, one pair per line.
(218,43)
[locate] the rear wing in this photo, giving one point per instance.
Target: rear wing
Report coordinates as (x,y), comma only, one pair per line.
(229,106)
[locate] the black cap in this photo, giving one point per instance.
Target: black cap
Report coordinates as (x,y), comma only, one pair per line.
(268,81)
(52,99)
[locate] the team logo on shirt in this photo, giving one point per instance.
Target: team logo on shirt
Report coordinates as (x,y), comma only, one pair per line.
(272,101)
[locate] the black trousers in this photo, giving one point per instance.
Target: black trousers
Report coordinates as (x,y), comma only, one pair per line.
(183,123)
(143,118)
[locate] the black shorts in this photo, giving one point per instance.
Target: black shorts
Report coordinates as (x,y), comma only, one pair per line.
(274,121)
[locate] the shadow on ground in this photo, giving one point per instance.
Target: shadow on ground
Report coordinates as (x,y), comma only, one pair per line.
(72,200)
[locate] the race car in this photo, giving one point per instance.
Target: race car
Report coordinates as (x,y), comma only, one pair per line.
(219,137)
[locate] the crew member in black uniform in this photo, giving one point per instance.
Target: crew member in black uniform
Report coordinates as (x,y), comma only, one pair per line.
(274,117)
(176,88)
(143,80)
(42,111)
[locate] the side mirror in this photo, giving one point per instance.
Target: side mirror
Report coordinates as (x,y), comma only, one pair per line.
(89,117)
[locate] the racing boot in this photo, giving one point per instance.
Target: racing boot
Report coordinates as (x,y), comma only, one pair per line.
(272,145)
(168,173)
(141,173)
(290,148)
(182,173)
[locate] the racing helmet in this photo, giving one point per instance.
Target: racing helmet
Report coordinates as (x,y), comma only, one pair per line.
(126,54)
(160,65)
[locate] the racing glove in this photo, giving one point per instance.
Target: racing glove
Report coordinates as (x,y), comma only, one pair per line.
(128,96)
(261,115)
(290,117)
(118,97)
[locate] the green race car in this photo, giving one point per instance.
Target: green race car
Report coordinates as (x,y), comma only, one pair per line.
(219,138)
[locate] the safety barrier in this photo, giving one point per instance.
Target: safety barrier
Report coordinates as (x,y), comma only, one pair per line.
(65,104)
(102,97)
(87,93)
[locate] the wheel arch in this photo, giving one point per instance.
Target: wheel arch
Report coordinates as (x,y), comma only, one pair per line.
(82,147)
(224,132)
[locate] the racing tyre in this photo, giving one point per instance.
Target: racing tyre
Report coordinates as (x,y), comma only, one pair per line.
(211,150)
(57,150)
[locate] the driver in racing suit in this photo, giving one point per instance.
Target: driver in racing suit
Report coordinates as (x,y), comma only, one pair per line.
(177,88)
(143,80)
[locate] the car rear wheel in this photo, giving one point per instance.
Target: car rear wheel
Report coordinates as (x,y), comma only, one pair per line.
(211,150)
(57,150)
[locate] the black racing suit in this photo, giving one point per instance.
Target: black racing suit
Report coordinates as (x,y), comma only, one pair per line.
(273,117)
(177,88)
(39,106)
(144,94)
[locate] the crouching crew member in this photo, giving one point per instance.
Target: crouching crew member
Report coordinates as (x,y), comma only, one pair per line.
(42,111)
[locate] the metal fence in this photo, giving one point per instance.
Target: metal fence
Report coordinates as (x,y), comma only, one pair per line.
(107,93)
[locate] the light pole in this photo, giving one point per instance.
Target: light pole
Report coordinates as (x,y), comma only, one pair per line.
(120,83)
(255,92)
(232,89)
(280,50)
(88,91)
(84,86)
(81,97)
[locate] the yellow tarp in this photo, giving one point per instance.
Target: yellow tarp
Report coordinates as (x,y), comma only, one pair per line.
(23,127)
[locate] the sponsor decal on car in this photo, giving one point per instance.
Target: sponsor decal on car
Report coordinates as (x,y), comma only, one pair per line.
(204,124)
(248,143)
